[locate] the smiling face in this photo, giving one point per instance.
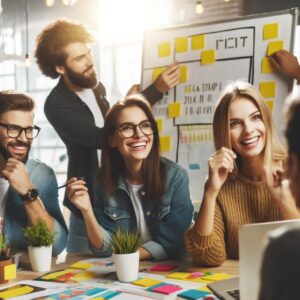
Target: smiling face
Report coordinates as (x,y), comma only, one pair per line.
(17,147)
(247,130)
(136,148)
(79,66)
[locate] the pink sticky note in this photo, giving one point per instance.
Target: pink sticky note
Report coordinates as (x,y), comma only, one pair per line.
(163,268)
(167,289)
(196,275)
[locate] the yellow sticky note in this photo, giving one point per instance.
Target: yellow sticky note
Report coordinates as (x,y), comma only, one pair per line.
(274,47)
(204,289)
(84,276)
(217,277)
(174,110)
(198,42)
(82,265)
(208,57)
(10,272)
(156,73)
(164,49)
(15,292)
(57,274)
(270,31)
(179,275)
(146,282)
(181,44)
(267,66)
(270,104)
(165,143)
(267,89)
(183,74)
(159,123)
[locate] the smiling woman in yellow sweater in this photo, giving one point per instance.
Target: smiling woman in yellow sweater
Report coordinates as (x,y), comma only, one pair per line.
(242,176)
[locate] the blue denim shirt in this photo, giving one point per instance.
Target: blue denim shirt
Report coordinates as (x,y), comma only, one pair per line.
(15,218)
(167,218)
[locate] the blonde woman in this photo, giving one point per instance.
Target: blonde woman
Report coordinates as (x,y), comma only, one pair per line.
(249,155)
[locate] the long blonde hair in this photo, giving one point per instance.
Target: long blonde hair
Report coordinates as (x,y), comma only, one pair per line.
(274,152)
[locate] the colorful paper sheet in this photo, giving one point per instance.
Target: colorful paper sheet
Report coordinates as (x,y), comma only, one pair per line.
(268,89)
(163,268)
(167,289)
(159,123)
(82,265)
(179,275)
(165,143)
(156,73)
(267,66)
(181,44)
(274,47)
(174,110)
(10,272)
(193,294)
(183,74)
(146,282)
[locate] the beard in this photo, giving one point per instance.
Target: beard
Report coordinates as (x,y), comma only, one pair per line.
(80,80)
(4,151)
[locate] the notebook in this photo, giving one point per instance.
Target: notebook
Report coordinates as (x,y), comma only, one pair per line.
(252,242)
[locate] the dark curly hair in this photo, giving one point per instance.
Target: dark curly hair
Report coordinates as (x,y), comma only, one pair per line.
(50,44)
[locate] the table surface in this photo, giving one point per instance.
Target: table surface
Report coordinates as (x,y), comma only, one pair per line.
(63,261)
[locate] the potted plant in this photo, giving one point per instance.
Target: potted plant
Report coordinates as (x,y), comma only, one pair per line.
(39,239)
(125,254)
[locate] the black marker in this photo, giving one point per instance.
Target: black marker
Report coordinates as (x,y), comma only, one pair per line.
(64,185)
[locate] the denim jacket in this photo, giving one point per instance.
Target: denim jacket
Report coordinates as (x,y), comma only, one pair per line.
(167,218)
(15,218)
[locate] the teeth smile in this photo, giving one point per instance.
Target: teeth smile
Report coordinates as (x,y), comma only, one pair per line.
(250,141)
(137,145)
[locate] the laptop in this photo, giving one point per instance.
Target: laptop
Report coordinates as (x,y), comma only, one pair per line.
(252,242)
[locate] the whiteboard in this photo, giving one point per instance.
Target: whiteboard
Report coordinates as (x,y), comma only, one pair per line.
(211,55)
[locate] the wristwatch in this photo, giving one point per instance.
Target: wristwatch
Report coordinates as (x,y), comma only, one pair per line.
(31,195)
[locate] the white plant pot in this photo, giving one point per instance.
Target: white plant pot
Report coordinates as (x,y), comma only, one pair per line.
(40,258)
(127,266)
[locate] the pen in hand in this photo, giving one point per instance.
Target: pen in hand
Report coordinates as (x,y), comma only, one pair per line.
(67,183)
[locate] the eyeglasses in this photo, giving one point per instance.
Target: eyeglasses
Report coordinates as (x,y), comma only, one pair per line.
(15,131)
(128,130)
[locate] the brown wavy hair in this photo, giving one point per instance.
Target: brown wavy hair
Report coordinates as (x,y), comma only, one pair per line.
(50,44)
(274,152)
(15,100)
(112,165)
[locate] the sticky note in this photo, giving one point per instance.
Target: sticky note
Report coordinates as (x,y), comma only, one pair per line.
(84,276)
(267,89)
(167,289)
(53,275)
(270,104)
(183,74)
(164,49)
(181,44)
(159,123)
(165,143)
(10,272)
(193,294)
(267,66)
(163,268)
(156,73)
(194,167)
(179,275)
(198,42)
(270,31)
(217,277)
(274,47)
(82,265)
(146,282)
(208,57)
(15,292)
(174,110)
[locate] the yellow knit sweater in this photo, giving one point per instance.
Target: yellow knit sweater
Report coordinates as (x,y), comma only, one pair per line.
(240,201)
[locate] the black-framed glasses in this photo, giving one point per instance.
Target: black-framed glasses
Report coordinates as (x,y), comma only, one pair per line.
(14,131)
(128,130)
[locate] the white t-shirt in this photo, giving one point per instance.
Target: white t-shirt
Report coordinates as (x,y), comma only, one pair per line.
(4,185)
(88,97)
(138,209)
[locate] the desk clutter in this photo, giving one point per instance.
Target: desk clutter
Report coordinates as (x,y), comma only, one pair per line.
(96,279)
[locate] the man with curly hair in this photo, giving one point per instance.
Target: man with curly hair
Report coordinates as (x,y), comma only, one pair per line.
(77,105)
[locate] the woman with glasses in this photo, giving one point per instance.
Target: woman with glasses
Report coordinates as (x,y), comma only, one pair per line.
(136,188)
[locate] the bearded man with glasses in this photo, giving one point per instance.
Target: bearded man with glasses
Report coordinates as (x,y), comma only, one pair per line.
(28,188)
